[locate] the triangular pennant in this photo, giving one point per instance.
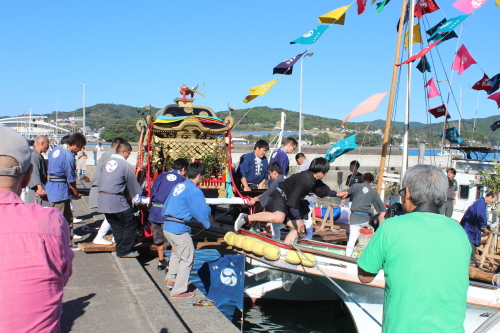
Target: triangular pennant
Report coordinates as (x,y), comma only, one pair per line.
(450,24)
(439,111)
(424,65)
(468,6)
(423,7)
(336,16)
(368,105)
(286,67)
(444,36)
(496,124)
(496,98)
(311,36)
(361,6)
(463,60)
(417,37)
(494,82)
(381,5)
(433,90)
(420,54)
(482,84)
(259,90)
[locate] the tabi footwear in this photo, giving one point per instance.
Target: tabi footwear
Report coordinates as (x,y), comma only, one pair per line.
(183,295)
(240,221)
(134,254)
(162,264)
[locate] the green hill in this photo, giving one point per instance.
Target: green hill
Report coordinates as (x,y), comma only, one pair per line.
(120,120)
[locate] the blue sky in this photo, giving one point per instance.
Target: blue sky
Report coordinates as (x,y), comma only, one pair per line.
(140,52)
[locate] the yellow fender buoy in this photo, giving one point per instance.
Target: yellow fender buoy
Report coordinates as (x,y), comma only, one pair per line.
(258,248)
(238,241)
(271,252)
(295,258)
(247,244)
(229,238)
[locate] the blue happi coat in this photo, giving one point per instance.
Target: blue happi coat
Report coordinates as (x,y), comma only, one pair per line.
(162,187)
(474,220)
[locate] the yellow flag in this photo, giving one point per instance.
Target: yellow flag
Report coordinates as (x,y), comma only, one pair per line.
(497,2)
(259,90)
(336,16)
(417,37)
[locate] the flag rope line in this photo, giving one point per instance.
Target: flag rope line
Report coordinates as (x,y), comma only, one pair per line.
(335,284)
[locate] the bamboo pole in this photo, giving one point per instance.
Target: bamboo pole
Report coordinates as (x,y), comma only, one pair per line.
(391,100)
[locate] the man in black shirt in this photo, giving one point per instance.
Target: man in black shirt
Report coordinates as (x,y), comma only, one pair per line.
(284,201)
(355,177)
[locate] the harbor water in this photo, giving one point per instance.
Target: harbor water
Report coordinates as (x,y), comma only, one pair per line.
(281,316)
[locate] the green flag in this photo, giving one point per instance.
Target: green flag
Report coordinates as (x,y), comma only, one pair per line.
(381,5)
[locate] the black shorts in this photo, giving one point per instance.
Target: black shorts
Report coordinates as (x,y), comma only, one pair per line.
(277,203)
(158,237)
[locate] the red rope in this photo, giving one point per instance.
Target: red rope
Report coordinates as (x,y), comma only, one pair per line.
(246,199)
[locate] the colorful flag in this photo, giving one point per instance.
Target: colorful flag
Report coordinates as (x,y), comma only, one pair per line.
(452,135)
(312,36)
(424,65)
(361,6)
(420,54)
(494,82)
(381,5)
(463,60)
(368,105)
(423,7)
(482,84)
(439,112)
(497,2)
(450,25)
(468,6)
(433,90)
(286,67)
(444,36)
(224,281)
(417,37)
(341,147)
(259,90)
(496,98)
(407,15)
(336,16)
(496,124)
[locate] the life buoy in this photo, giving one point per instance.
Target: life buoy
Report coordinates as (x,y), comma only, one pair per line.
(229,238)
(271,252)
(258,248)
(238,241)
(295,258)
(247,244)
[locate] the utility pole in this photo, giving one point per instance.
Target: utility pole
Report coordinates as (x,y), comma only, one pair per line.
(84,85)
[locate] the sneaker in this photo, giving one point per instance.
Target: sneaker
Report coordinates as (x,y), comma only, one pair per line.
(77,236)
(162,264)
(170,284)
(75,220)
(183,295)
(74,247)
(240,221)
(134,254)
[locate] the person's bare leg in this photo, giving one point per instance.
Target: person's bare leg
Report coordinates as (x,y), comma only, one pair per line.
(161,251)
(293,234)
(276,217)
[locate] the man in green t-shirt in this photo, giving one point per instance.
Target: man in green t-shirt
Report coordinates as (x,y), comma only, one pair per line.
(425,258)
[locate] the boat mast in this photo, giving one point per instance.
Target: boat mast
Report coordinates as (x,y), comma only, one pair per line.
(408,92)
(391,101)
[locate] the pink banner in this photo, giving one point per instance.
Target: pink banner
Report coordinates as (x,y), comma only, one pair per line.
(468,6)
(463,60)
(368,105)
(433,90)
(420,54)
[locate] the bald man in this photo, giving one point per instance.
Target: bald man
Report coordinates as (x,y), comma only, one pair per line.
(36,186)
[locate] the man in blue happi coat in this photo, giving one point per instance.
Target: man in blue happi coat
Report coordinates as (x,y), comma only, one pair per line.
(162,187)
(252,171)
(61,185)
(281,156)
(475,221)
(185,203)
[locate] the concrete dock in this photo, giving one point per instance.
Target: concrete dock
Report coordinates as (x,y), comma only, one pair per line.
(110,294)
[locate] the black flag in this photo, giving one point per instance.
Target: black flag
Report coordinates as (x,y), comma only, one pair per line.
(495,125)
